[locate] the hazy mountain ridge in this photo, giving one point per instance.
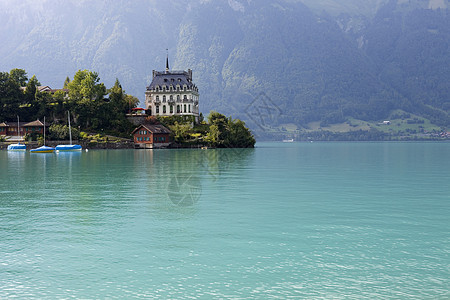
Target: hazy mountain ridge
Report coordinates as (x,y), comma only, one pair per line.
(349,59)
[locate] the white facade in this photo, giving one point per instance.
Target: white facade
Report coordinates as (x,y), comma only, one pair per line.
(172,93)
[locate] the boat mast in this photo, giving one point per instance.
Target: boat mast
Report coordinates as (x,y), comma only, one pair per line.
(44,130)
(70,131)
(18,129)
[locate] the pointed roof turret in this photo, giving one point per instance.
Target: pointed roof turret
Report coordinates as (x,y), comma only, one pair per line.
(167,61)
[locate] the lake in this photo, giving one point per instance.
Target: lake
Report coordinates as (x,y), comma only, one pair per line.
(283,220)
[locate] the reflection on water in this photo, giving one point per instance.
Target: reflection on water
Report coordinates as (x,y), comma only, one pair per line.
(169,177)
(282,221)
(185,170)
(220,161)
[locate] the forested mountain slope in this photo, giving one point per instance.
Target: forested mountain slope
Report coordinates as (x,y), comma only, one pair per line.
(324,60)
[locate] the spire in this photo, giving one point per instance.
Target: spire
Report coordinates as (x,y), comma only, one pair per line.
(167,61)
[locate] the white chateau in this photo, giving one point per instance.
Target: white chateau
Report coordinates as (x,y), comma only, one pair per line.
(172,93)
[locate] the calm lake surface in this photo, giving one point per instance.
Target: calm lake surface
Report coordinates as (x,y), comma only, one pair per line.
(283,220)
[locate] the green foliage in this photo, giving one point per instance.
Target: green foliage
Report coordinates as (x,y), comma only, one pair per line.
(84,135)
(11,97)
(19,76)
(212,137)
(30,90)
(66,82)
(86,100)
(61,132)
(32,136)
(171,120)
(226,132)
(180,131)
(86,95)
(40,140)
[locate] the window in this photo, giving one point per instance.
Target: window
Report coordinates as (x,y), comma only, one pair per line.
(164,98)
(164,109)
(189,108)
(178,109)
(155,139)
(157,98)
(171,109)
(178,97)
(185,108)
(171,98)
(157,109)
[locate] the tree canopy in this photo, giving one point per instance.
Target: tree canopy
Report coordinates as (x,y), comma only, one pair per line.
(93,106)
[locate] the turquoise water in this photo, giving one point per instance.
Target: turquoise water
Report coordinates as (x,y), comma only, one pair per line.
(292,220)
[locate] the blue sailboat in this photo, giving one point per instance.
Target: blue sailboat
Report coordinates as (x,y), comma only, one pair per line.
(68,147)
(43,149)
(18,146)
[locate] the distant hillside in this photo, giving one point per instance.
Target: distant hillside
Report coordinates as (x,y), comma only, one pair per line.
(323,61)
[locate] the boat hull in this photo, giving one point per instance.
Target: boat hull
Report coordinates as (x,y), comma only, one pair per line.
(17,147)
(65,148)
(43,149)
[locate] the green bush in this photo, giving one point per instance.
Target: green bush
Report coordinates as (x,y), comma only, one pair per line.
(61,132)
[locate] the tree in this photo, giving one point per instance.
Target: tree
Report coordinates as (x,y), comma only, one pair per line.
(86,95)
(212,137)
(10,97)
(66,82)
(180,131)
(240,136)
(19,76)
(221,122)
(61,132)
(226,132)
(41,106)
(132,102)
(30,90)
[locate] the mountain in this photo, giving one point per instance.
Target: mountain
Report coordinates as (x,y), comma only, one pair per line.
(306,61)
